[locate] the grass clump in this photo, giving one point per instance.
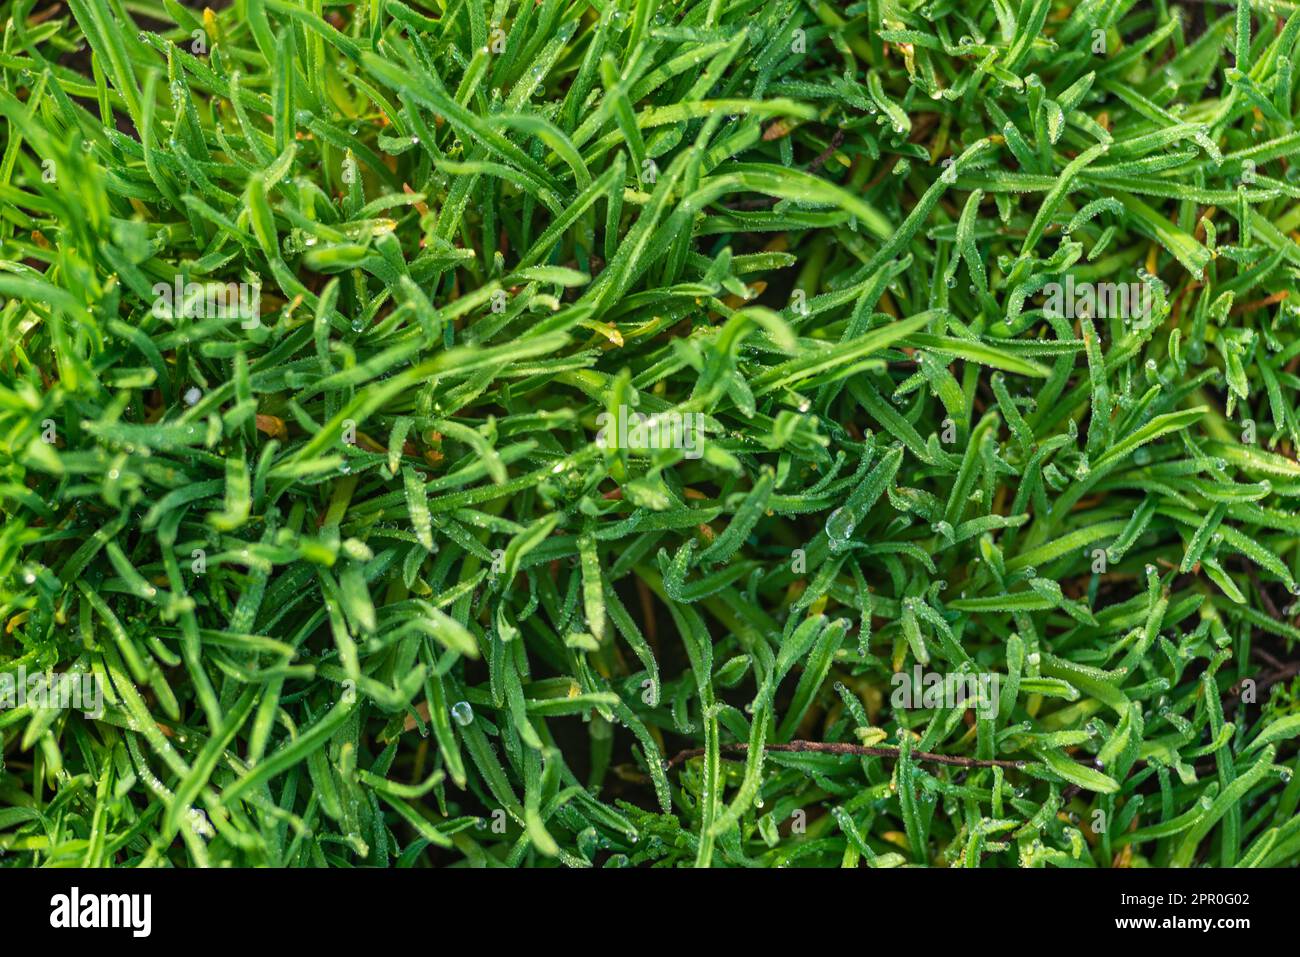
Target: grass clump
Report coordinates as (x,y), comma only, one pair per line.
(967,334)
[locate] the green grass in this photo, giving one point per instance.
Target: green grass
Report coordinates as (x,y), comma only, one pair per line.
(364,589)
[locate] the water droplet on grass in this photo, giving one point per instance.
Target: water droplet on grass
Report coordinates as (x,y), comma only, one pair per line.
(839,528)
(463,712)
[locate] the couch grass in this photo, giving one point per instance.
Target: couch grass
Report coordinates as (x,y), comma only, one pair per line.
(362,585)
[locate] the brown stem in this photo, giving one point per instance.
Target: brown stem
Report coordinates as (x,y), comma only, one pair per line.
(837,140)
(860,750)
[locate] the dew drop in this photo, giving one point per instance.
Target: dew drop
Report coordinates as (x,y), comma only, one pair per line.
(839,528)
(463,712)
